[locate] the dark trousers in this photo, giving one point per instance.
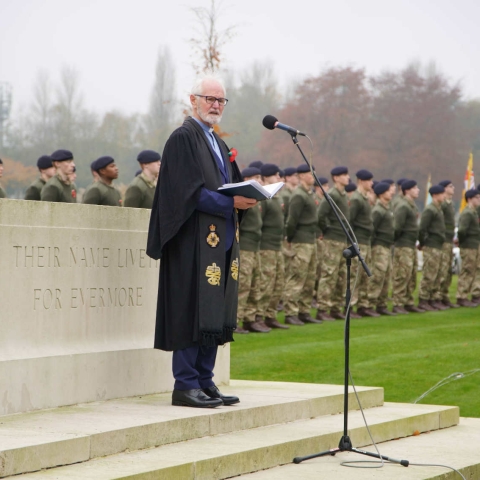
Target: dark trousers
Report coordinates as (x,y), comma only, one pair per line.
(193,367)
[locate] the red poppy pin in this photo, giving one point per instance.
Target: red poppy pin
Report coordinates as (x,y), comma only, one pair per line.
(74,194)
(233,154)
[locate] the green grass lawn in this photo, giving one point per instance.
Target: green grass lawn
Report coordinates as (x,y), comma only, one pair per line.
(406,355)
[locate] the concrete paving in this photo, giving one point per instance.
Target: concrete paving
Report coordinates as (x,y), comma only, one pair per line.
(231,454)
(457,447)
(48,438)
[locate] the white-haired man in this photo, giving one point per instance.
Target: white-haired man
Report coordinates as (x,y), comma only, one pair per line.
(194,230)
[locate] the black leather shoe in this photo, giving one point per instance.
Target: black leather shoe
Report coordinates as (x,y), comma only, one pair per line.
(214,393)
(194,398)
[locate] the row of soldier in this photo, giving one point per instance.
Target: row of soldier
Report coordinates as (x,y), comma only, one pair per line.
(56,182)
(292,245)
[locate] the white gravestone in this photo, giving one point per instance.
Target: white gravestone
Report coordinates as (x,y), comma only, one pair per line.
(77,307)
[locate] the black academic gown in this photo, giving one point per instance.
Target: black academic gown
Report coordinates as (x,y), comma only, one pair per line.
(177,235)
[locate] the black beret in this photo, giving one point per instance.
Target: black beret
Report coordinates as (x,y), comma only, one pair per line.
(445,183)
(435,189)
(401,180)
(388,180)
(408,184)
(364,175)
(289,171)
(323,180)
(471,193)
(251,172)
(281,173)
(102,162)
(268,169)
(338,171)
(256,164)
(148,156)
(304,168)
(93,166)
(375,182)
(61,155)
(381,187)
(351,187)
(44,162)
(138,172)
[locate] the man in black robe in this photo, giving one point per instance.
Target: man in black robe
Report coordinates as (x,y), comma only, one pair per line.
(194,230)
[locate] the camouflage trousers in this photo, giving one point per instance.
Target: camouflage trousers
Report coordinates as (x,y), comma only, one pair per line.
(300,279)
(404,275)
(332,284)
(466,279)
(360,294)
(441,294)
(380,279)
(271,283)
(319,259)
(248,292)
(431,273)
(476,282)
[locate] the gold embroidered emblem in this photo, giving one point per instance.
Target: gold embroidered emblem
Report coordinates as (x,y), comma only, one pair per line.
(237,234)
(213,273)
(235,269)
(212,238)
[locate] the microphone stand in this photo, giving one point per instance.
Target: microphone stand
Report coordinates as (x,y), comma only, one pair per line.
(345,444)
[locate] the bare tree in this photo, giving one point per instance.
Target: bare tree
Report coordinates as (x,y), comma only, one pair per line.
(69,103)
(41,109)
(209,41)
(163,101)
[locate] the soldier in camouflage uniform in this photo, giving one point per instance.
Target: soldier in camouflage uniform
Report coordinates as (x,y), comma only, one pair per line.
(301,231)
(319,198)
(469,242)
(405,254)
(382,242)
(103,192)
(362,225)
(272,279)
(476,282)
(47,171)
(331,288)
(349,189)
(250,265)
(59,188)
(141,191)
(3,194)
(442,292)
(431,238)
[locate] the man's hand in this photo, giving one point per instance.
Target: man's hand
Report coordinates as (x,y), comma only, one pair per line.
(243,203)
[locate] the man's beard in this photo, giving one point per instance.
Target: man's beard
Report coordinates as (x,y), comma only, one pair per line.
(209,118)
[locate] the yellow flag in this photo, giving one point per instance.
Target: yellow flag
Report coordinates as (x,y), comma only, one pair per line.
(469,182)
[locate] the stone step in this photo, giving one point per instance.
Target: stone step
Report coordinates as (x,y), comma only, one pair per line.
(68,435)
(239,452)
(456,447)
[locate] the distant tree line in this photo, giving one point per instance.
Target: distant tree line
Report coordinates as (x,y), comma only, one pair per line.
(408,122)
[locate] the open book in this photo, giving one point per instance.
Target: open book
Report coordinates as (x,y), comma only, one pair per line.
(251,189)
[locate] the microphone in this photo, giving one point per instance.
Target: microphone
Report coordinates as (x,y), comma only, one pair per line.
(270,122)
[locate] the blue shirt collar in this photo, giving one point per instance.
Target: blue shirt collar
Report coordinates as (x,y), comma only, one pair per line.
(205,128)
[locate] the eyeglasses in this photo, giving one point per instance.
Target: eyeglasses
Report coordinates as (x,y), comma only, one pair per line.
(211,100)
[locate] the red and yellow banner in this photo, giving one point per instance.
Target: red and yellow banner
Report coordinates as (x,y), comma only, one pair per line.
(469,182)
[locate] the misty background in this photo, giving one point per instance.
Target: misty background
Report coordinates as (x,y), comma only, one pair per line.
(393,88)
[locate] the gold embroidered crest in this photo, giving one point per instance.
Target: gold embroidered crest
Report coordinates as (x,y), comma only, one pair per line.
(235,269)
(213,273)
(237,234)
(212,238)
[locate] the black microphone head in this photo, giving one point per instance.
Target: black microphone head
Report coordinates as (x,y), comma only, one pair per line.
(269,122)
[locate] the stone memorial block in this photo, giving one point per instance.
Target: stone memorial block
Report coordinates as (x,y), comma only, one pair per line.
(77,307)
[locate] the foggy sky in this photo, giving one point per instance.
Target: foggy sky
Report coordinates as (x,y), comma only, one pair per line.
(114,43)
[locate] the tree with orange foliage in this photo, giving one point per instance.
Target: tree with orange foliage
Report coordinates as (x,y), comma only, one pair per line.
(16,176)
